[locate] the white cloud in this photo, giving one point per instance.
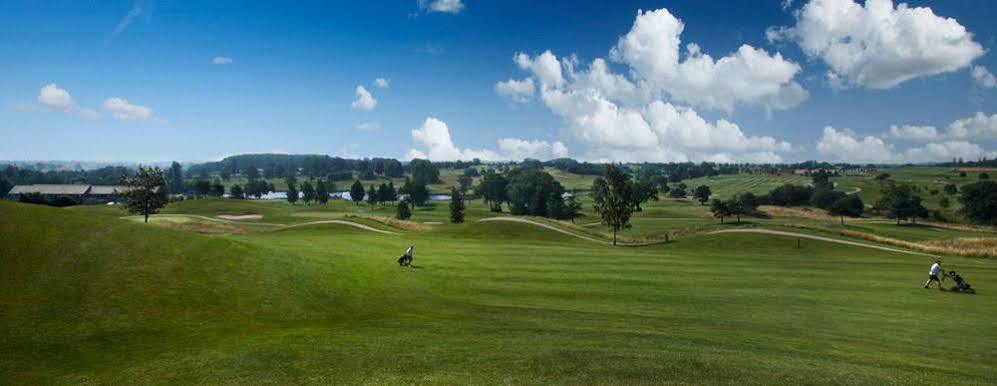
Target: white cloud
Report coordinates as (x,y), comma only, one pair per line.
(121,109)
(518,149)
(786,4)
(368,126)
(432,141)
(381,83)
(221,60)
(979,126)
(878,45)
(545,67)
(447,6)
(750,75)
(983,77)
(364,101)
(519,91)
(914,133)
(55,98)
(846,146)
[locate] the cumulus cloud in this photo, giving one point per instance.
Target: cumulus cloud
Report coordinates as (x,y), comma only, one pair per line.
(221,60)
(979,127)
(519,91)
(846,146)
(365,101)
(446,6)
(381,83)
(750,75)
(368,126)
(880,46)
(624,119)
(915,133)
(517,149)
(432,141)
(983,77)
(55,98)
(123,110)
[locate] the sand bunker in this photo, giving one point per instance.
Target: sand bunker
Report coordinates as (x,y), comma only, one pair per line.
(240,217)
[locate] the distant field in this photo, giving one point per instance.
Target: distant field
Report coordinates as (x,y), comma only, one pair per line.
(927,178)
(725,186)
(115,301)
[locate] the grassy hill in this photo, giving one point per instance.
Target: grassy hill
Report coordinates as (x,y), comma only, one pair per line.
(91,298)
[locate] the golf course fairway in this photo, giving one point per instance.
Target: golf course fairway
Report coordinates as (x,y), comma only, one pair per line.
(88,298)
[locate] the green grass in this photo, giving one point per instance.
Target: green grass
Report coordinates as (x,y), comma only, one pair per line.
(91,298)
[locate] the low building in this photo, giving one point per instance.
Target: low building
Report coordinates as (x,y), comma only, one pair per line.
(81,194)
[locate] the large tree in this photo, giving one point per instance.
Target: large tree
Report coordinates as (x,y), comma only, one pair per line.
(849,205)
(372,197)
(292,193)
(720,209)
(573,208)
(702,193)
(145,193)
(321,192)
(979,202)
(357,192)
(612,196)
(418,193)
(404,211)
(424,171)
(236,192)
(175,178)
(899,202)
(492,190)
(307,192)
(456,206)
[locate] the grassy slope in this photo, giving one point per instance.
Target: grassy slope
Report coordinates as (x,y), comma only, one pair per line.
(91,298)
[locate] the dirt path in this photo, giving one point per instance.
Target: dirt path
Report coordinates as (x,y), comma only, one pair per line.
(820,238)
(559,230)
(856,191)
(342,222)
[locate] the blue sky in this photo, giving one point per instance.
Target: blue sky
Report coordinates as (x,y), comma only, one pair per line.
(137,81)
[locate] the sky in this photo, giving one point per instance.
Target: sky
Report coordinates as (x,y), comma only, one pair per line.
(727,81)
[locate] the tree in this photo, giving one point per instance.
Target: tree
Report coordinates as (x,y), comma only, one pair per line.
(950,189)
(307,192)
(202,187)
(456,206)
(146,191)
(217,189)
(882,176)
(372,196)
(944,202)
(573,208)
(679,191)
(984,176)
(392,193)
(900,203)
(979,202)
(5,186)
(702,193)
(849,205)
(822,180)
(720,209)
(292,193)
(534,192)
(403,212)
(742,204)
(465,182)
(418,193)
(357,192)
(176,178)
(235,191)
(424,171)
(612,199)
(641,193)
(321,192)
(492,190)
(382,193)
(823,198)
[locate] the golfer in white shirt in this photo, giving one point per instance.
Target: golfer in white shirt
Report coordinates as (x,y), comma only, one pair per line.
(933,273)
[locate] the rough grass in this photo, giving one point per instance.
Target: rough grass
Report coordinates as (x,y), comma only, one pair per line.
(405,225)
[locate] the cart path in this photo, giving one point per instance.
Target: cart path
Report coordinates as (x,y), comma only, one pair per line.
(559,230)
(820,238)
(342,222)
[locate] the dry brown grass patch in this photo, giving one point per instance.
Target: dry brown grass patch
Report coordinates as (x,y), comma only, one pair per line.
(411,226)
(801,212)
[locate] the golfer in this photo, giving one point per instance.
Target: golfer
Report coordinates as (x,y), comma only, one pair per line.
(936,269)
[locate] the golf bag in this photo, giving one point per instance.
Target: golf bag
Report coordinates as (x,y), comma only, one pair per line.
(961,285)
(405,260)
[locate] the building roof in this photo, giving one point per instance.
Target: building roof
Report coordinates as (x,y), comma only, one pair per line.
(51,189)
(108,189)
